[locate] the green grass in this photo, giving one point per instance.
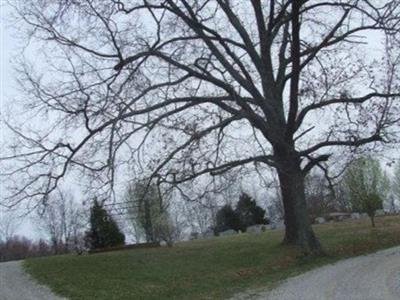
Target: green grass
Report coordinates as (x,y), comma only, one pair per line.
(205,269)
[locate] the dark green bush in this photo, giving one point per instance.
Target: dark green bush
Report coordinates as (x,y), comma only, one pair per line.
(104,231)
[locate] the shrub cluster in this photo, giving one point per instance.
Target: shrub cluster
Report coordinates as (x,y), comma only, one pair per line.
(246,213)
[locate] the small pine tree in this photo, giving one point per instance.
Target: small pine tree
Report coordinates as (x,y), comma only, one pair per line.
(104,231)
(227,219)
(249,213)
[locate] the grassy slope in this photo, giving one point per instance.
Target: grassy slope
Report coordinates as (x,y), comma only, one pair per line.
(204,269)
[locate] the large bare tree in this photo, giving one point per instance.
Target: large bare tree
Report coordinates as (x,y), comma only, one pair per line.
(218,84)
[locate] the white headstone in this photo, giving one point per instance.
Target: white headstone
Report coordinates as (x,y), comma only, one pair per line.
(257,228)
(320,220)
(228,232)
(208,234)
(278,225)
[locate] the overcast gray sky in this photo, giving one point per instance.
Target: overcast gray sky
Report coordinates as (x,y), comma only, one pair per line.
(8,90)
(6,51)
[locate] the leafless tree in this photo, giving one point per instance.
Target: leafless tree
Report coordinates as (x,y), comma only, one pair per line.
(199,217)
(217,84)
(9,223)
(276,210)
(396,184)
(199,203)
(20,247)
(64,221)
(319,196)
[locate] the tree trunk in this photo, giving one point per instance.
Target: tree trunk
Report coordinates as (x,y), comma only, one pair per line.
(372,217)
(297,223)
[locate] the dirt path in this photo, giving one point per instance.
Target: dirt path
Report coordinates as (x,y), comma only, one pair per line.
(371,277)
(15,284)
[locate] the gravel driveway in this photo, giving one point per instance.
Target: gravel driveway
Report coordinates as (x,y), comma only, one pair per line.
(372,277)
(15,284)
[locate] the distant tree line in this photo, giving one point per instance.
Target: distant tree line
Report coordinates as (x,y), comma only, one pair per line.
(19,247)
(364,187)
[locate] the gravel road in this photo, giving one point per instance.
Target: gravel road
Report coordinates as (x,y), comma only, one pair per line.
(372,277)
(15,284)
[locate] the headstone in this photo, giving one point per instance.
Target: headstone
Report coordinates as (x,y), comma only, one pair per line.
(194,235)
(338,216)
(81,251)
(278,225)
(257,228)
(355,216)
(228,232)
(266,227)
(320,220)
(208,234)
(379,212)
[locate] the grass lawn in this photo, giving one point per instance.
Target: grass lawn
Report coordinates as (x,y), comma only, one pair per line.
(205,269)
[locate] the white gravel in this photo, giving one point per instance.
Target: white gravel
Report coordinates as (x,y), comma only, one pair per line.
(15,284)
(372,277)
